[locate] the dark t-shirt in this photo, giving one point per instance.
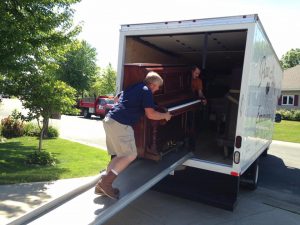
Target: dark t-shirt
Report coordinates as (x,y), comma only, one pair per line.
(131,104)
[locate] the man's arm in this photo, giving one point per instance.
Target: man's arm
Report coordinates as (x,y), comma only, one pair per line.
(116,98)
(201,96)
(200,93)
(155,115)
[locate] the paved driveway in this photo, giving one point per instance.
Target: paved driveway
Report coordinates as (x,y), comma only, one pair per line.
(86,131)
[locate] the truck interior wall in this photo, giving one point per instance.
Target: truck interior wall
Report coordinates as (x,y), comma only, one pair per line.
(216,125)
(221,75)
(139,52)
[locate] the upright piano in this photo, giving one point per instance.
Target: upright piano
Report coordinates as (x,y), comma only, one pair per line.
(156,138)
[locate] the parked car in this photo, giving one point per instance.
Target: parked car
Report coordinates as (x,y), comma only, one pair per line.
(4,95)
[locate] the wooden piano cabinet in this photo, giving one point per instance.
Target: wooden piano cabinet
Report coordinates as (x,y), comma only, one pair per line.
(176,77)
(154,138)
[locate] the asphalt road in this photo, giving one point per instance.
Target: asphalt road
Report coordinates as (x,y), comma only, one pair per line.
(280,170)
(86,131)
(8,105)
(75,128)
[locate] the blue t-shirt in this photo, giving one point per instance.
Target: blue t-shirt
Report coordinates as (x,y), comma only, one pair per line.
(132,103)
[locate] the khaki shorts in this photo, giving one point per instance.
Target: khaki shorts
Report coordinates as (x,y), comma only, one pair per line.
(119,138)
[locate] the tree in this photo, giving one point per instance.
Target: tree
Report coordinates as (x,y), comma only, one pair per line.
(291,58)
(105,83)
(108,80)
(45,97)
(30,32)
(95,88)
(79,68)
(34,34)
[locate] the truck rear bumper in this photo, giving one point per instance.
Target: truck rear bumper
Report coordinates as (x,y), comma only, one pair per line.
(219,190)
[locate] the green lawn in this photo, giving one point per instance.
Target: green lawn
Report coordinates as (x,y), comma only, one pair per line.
(74,160)
(77,160)
(287,131)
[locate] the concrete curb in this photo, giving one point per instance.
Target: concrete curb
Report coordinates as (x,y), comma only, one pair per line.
(290,144)
(29,217)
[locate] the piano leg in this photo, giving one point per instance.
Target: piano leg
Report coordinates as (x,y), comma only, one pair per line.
(151,152)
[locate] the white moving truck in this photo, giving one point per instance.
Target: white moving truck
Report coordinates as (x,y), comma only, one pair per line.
(242,76)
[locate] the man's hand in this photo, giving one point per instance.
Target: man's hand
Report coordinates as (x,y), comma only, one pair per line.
(168,116)
(155,115)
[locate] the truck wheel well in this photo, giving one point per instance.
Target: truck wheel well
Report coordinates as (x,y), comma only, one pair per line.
(250,178)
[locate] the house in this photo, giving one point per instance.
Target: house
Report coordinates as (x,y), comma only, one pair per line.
(290,90)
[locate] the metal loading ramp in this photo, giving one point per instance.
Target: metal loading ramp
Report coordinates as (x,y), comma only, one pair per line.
(88,208)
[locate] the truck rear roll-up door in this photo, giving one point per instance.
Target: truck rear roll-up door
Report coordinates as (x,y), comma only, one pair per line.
(88,208)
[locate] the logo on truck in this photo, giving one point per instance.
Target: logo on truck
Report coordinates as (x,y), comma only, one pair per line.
(265,99)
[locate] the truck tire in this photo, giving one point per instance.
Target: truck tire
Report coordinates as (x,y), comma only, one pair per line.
(250,178)
(103,116)
(86,113)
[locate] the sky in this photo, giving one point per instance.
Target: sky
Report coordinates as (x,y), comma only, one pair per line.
(101,20)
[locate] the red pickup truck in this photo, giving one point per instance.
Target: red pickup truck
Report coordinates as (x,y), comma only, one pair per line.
(98,107)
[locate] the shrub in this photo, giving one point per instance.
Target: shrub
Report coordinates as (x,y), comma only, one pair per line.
(41,158)
(2,139)
(75,112)
(52,132)
(12,127)
(289,114)
(31,129)
(297,115)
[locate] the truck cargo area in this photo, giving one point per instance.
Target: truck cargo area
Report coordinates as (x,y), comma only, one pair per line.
(220,55)
(88,208)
